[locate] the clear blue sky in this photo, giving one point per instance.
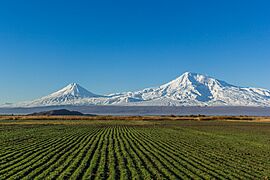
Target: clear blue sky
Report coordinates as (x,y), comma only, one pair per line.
(114,46)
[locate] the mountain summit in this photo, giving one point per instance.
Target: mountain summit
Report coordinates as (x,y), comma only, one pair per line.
(195,79)
(190,89)
(194,86)
(73,90)
(67,95)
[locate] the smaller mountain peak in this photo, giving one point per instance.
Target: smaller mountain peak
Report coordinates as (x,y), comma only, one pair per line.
(74,89)
(73,85)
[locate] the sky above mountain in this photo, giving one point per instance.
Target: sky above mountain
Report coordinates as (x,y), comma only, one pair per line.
(116,46)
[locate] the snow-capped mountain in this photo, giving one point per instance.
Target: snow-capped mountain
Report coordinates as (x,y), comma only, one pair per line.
(69,94)
(190,89)
(193,89)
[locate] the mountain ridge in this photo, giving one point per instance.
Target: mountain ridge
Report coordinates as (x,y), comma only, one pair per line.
(189,89)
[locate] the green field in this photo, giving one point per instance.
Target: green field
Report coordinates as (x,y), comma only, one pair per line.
(134,149)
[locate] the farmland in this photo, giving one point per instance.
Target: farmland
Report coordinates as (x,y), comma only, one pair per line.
(133,149)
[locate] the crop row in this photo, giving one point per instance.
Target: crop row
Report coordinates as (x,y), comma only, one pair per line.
(122,152)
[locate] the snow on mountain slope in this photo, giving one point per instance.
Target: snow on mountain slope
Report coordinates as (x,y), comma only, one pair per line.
(189,86)
(190,89)
(193,89)
(68,95)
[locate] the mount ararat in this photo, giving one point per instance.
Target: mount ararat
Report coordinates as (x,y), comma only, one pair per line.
(190,89)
